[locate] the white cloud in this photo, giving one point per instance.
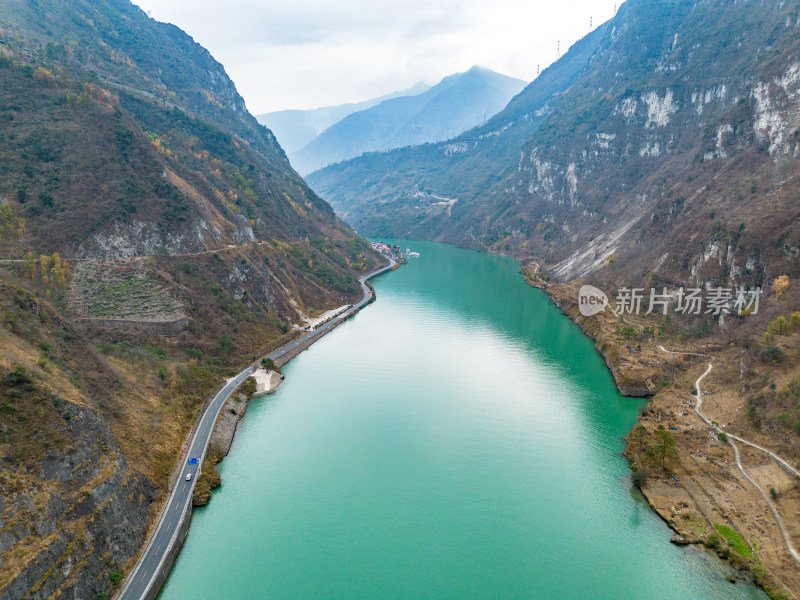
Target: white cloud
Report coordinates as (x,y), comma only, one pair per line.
(309,53)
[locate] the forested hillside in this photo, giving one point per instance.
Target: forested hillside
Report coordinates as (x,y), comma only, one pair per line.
(154,238)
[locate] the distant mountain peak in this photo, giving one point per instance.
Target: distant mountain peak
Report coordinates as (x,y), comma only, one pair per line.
(457,103)
(295,128)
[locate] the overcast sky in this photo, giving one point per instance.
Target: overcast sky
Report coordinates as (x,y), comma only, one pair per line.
(310,53)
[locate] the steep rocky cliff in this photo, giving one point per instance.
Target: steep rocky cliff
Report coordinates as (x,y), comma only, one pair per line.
(73,509)
(81,504)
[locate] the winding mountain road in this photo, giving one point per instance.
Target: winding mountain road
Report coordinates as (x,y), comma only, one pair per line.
(140,583)
(786,539)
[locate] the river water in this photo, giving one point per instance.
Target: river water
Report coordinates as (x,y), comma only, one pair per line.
(459,438)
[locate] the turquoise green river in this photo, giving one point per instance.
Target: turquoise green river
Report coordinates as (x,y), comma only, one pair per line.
(459,438)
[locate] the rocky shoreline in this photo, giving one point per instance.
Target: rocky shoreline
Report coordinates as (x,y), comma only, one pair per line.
(262,382)
(634,379)
(700,497)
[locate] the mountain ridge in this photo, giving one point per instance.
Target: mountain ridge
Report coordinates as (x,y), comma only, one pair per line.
(294,128)
(456,103)
(468,166)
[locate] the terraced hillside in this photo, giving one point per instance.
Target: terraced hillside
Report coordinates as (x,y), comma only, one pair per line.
(121,290)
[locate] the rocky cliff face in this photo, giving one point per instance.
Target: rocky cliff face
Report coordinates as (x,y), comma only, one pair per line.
(73,510)
(668,139)
(85,508)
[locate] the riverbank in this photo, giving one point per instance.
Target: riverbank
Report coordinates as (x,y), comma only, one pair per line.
(261,383)
(500,485)
(686,472)
(154,564)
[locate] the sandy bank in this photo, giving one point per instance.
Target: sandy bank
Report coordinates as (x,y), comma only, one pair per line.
(266,381)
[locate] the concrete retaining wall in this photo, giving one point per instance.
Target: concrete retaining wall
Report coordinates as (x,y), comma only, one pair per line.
(165,328)
(304,346)
(172,555)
